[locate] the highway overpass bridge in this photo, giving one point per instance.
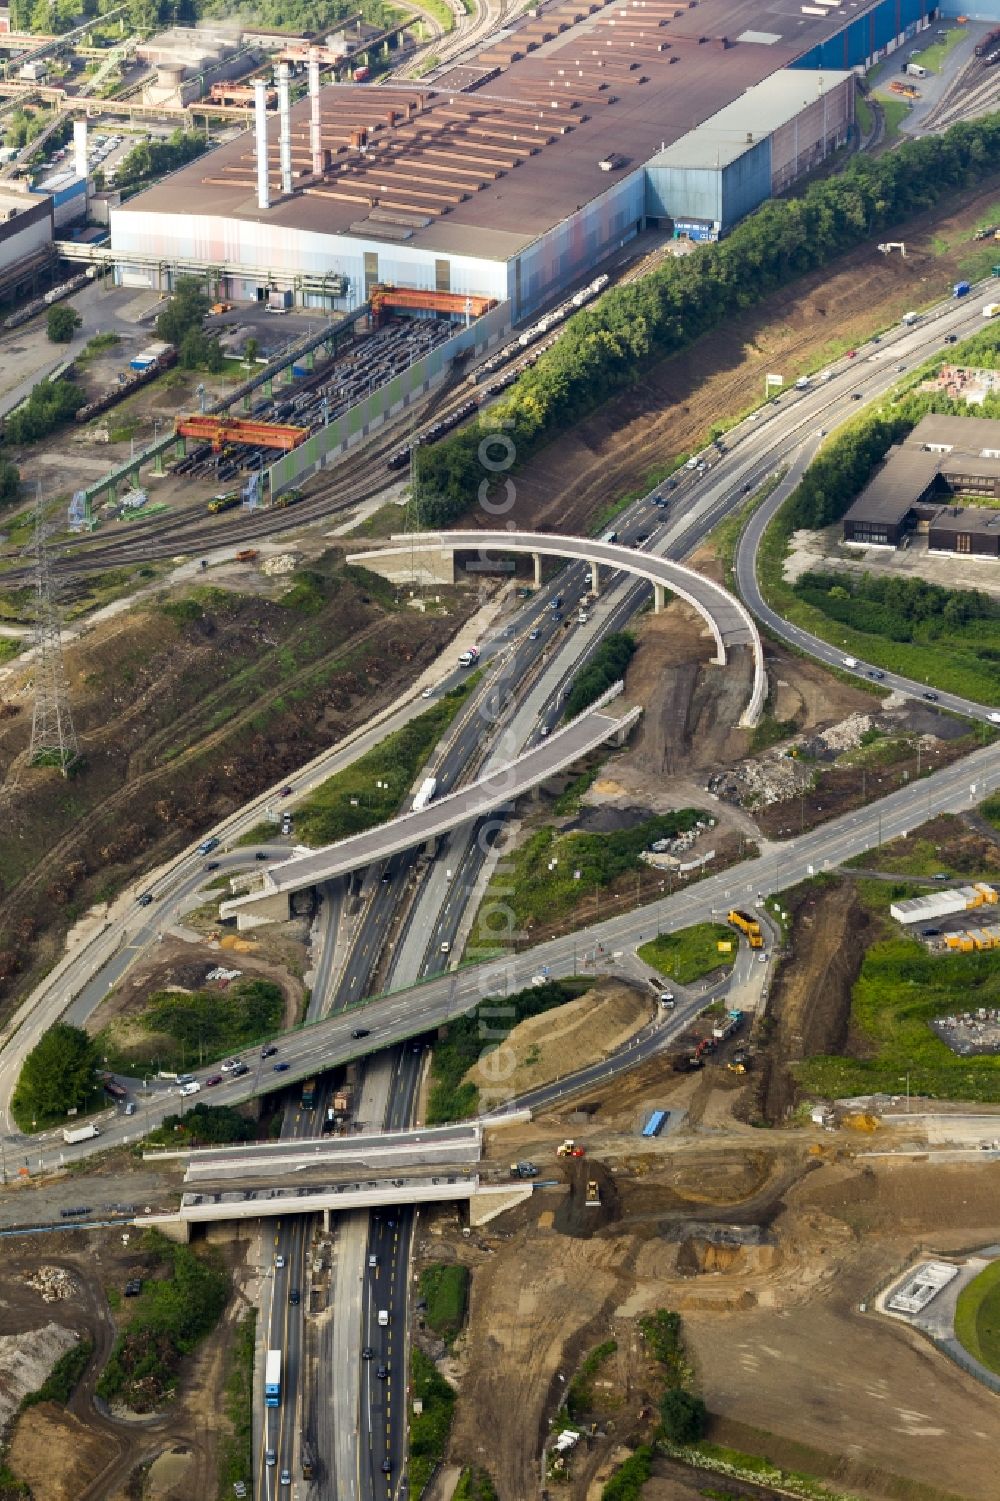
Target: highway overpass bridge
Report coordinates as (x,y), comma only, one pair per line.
(484,1199)
(434,1148)
(727,617)
(270,900)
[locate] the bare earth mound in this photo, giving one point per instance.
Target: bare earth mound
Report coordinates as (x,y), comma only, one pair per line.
(560,1042)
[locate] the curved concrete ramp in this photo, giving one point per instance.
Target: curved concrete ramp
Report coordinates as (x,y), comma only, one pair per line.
(270,901)
(727,617)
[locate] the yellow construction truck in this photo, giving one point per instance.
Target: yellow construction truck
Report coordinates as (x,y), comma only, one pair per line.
(747,925)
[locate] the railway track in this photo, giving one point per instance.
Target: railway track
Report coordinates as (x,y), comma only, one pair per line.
(358,476)
(974,91)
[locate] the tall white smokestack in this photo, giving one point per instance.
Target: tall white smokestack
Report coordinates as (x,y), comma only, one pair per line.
(315,134)
(285,128)
(80,147)
(260,127)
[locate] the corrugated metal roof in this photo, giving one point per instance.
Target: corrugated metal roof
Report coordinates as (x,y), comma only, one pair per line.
(632,76)
(767,106)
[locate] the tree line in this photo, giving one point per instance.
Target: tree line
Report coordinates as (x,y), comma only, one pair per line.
(606,348)
(152,158)
(902,609)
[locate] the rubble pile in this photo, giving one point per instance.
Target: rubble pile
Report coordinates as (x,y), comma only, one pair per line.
(52,1283)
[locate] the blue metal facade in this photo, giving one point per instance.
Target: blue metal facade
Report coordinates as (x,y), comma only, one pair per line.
(976,10)
(864,38)
(722,195)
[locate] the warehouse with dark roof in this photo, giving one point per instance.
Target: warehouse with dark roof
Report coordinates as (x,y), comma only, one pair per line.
(943,457)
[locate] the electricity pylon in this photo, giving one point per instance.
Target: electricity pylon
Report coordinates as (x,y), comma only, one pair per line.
(53,737)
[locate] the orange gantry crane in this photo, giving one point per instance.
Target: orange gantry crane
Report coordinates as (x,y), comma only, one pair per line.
(384,297)
(222,430)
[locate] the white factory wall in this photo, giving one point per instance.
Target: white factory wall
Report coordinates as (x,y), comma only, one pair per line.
(286,252)
(18,239)
(571,248)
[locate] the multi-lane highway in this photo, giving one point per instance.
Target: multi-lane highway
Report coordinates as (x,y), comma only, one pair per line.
(376,1403)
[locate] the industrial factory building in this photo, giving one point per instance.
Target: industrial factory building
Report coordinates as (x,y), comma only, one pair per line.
(514,173)
(942,457)
(31,217)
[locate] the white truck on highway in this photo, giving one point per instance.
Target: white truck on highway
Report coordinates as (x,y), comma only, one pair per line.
(79,1133)
(425,793)
(991,309)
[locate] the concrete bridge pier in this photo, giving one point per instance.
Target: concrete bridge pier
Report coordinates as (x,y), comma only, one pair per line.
(326,1220)
(659,598)
(536,558)
(595,579)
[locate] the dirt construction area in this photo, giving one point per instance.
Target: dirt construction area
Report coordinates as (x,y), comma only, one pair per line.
(671,411)
(52,1297)
(768,1245)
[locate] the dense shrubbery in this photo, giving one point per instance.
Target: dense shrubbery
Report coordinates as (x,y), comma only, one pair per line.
(59,1074)
(151,157)
(170,1316)
(536,891)
(607,666)
(191,1026)
(475,1485)
(205,1125)
(429,1428)
(903,609)
(628,1480)
(580,1392)
(61,1381)
(606,348)
(50,403)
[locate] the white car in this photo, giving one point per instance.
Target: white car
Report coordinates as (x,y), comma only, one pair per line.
(993,718)
(229,1065)
(186,1089)
(279,1263)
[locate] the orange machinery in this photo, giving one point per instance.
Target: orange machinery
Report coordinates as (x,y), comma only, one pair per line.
(384,297)
(222,430)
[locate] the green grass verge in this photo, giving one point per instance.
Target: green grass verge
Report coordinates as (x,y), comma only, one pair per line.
(468,1038)
(475,1485)
(900,990)
(445,1287)
(691,953)
(977,1317)
(169,1317)
(895,111)
(571,800)
(429,1429)
(236,1449)
(536,891)
(924,854)
(935,56)
(725,537)
(863,115)
(353,800)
